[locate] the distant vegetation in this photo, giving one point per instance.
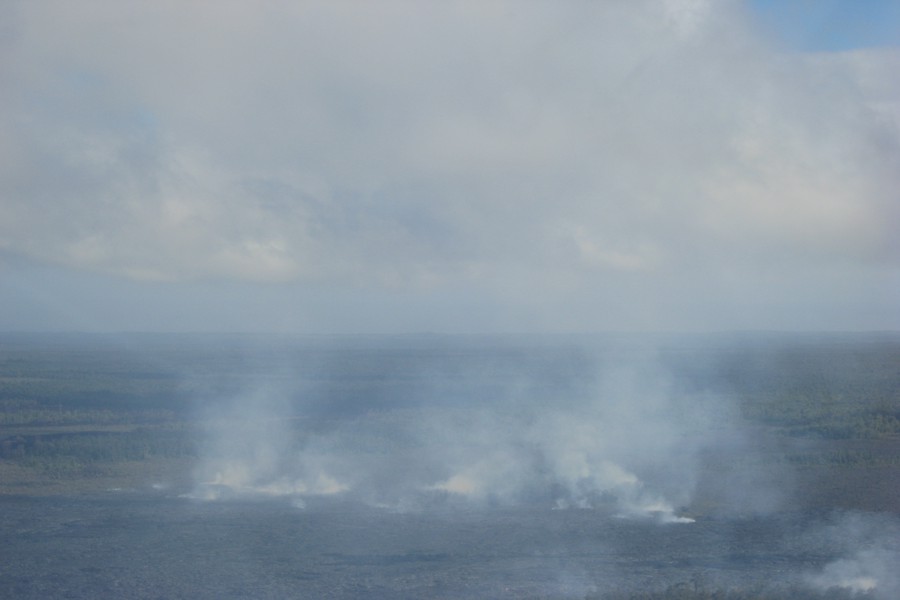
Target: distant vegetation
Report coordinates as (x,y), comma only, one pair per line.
(692,591)
(76,406)
(819,386)
(828,416)
(30,412)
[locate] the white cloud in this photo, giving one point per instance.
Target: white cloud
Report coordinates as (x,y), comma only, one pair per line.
(442,144)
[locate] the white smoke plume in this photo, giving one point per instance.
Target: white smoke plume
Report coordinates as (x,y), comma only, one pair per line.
(250,450)
(625,442)
(871,548)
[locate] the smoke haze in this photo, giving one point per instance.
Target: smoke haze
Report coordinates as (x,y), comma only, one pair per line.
(560,427)
(644,431)
(870,545)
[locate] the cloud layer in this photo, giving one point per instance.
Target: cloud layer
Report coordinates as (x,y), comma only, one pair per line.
(618,153)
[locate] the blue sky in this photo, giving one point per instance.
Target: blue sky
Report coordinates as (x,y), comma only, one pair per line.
(831,25)
(456,166)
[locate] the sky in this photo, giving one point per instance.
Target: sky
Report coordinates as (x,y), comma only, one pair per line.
(459,167)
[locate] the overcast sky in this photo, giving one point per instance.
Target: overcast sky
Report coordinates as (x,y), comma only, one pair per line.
(449,166)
